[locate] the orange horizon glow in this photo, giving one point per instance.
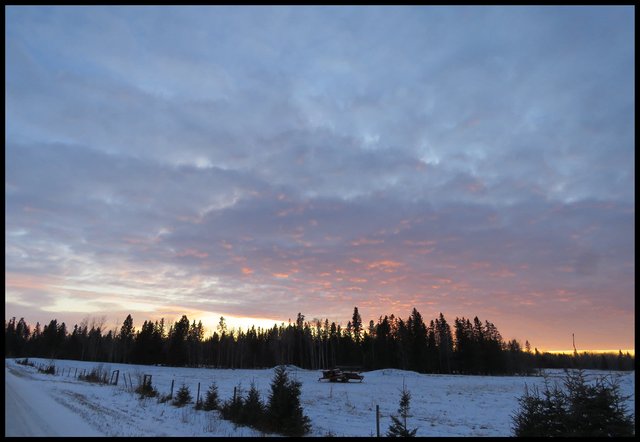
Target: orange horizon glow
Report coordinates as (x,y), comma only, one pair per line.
(570,352)
(335,285)
(210,321)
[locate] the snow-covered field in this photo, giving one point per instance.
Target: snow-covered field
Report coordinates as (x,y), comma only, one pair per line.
(441,405)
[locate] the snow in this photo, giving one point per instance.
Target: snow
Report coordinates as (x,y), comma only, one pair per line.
(48,418)
(441,405)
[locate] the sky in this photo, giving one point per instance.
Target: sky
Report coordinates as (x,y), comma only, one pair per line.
(257,162)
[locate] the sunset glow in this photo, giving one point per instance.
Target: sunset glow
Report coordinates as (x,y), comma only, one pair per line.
(260,162)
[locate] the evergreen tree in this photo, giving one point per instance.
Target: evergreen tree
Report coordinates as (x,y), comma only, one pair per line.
(356,325)
(211,401)
(583,409)
(444,341)
(10,337)
(398,428)
(183,396)
(178,350)
(252,412)
(232,407)
(418,342)
(284,412)
(125,339)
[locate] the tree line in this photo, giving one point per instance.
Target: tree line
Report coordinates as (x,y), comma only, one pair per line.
(469,347)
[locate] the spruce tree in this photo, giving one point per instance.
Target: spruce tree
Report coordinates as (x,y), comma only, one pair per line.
(211,401)
(581,409)
(231,409)
(356,325)
(252,412)
(398,428)
(284,412)
(183,396)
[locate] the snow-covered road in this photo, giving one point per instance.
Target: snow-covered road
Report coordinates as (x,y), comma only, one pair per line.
(30,411)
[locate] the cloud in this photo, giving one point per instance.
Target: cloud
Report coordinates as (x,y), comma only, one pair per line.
(475,159)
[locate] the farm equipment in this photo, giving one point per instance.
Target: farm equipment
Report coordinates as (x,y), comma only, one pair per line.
(337,375)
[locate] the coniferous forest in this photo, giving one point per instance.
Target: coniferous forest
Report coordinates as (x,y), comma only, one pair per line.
(467,346)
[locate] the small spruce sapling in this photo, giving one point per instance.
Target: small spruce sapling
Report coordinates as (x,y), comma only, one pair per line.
(252,412)
(398,428)
(183,396)
(212,400)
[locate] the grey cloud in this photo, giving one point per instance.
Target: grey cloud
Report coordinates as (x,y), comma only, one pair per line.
(242,154)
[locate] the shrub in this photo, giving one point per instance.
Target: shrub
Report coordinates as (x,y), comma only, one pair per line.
(284,413)
(146,390)
(25,361)
(579,410)
(183,396)
(48,369)
(97,375)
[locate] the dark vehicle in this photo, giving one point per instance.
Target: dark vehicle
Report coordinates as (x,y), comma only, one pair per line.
(337,375)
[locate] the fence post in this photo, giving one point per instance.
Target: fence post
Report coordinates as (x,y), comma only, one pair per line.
(75,375)
(117,375)
(377,420)
(171,394)
(130,383)
(234,395)
(198,395)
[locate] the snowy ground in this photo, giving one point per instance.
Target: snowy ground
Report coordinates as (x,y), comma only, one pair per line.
(441,405)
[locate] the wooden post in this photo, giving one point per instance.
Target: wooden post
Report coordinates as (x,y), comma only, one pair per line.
(171,394)
(377,420)
(198,395)
(117,375)
(124,377)
(75,375)
(234,395)
(130,383)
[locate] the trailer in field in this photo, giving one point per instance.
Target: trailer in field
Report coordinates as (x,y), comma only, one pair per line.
(338,375)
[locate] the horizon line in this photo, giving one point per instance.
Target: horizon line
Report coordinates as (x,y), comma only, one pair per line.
(598,351)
